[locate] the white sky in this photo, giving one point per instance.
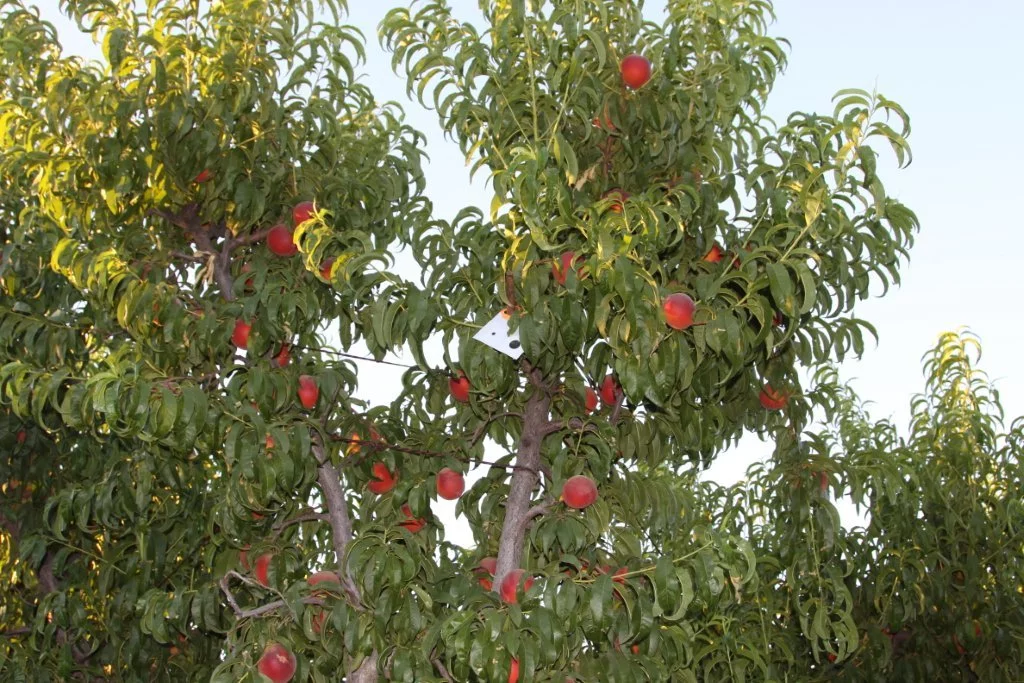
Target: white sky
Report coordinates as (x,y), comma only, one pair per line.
(956,69)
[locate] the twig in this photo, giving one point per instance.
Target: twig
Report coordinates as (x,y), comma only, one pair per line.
(257,236)
(479,432)
(308,516)
(439,665)
(333,402)
(262,609)
(15,632)
(374,445)
(194,258)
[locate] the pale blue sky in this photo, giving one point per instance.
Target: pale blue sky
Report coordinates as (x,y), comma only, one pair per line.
(955,67)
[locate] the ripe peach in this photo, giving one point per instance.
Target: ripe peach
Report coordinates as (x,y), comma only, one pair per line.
(579,491)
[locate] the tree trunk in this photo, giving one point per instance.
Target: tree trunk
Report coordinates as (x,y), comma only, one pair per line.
(524,481)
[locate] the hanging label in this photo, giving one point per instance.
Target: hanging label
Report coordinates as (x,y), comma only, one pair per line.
(496,335)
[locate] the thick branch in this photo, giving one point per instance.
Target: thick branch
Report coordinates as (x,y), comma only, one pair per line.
(341,532)
(203,234)
(538,510)
(366,672)
(222,272)
(337,514)
(11,526)
(46,577)
(524,477)
(221,263)
(552,427)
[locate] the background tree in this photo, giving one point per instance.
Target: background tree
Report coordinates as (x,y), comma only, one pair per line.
(937,578)
(156,327)
(198,494)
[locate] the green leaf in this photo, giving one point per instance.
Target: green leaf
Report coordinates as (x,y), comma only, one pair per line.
(782,288)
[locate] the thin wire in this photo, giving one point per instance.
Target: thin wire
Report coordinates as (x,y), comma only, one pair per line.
(367,358)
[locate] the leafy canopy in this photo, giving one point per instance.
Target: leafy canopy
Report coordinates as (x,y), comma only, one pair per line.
(169,490)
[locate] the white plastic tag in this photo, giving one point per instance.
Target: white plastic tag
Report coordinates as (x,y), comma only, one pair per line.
(496,335)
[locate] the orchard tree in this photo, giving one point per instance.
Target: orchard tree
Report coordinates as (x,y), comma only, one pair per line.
(656,240)
(934,582)
(182,224)
(199,231)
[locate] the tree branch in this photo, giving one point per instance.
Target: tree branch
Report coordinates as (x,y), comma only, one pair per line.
(307,516)
(525,475)
(276,605)
(203,234)
(439,665)
(16,632)
(192,258)
(228,595)
(372,446)
(578,425)
(12,527)
(365,672)
(337,514)
(617,410)
(227,590)
(252,237)
(481,429)
(341,532)
(262,609)
(538,510)
(46,577)
(552,427)
(221,263)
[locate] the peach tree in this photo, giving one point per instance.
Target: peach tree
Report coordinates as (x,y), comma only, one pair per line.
(934,580)
(182,223)
(201,229)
